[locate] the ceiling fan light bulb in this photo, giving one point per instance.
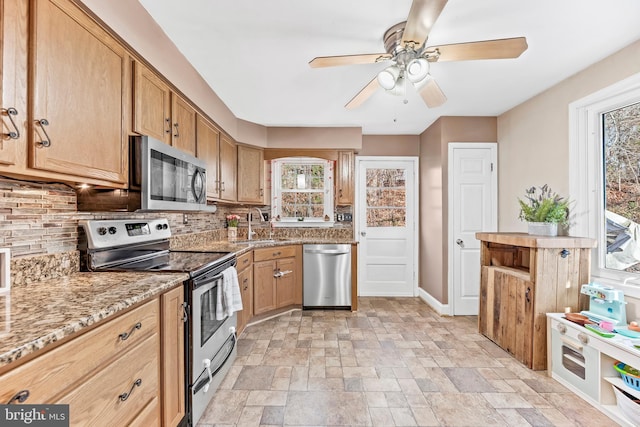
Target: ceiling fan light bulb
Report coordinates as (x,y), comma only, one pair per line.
(388,77)
(417,70)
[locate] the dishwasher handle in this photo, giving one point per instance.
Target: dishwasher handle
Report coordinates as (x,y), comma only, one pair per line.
(325,252)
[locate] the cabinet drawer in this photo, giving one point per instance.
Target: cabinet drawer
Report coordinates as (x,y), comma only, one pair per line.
(265,254)
(48,375)
(245,260)
(132,377)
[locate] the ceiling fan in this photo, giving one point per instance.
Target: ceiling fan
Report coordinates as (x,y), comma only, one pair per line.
(405,46)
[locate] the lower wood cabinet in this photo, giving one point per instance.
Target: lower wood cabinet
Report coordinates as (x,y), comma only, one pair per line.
(524,277)
(129,370)
(277,278)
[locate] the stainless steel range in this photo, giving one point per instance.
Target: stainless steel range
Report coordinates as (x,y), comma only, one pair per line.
(143,245)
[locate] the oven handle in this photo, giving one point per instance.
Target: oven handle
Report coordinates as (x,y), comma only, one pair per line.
(572,344)
(200,382)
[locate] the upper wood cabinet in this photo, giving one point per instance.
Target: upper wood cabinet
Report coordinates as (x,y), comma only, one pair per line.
(80,91)
(344,178)
(220,154)
(228,169)
(13,81)
(161,113)
(251,176)
(183,131)
(208,149)
(152,104)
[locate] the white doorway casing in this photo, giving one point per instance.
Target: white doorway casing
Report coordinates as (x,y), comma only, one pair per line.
(472,207)
(387,255)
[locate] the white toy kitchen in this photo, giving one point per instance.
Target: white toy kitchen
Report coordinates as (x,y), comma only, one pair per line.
(594,354)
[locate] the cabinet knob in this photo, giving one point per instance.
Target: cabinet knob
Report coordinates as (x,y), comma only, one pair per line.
(584,338)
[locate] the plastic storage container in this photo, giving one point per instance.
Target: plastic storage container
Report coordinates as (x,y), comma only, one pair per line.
(628,378)
(627,404)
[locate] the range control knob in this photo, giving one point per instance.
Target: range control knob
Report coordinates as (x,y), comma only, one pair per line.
(102,231)
(112,230)
(159,227)
(165,226)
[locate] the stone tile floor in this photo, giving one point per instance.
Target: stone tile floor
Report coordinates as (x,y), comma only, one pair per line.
(394,362)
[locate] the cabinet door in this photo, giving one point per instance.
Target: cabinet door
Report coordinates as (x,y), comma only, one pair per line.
(80,87)
(286,284)
(245,278)
(183,128)
(172,362)
(151,111)
(228,169)
(264,291)
(250,174)
(208,149)
(344,178)
(13,82)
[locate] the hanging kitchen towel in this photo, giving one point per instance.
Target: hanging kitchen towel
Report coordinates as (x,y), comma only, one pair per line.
(229,298)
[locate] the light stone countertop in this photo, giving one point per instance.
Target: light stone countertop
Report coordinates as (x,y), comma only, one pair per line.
(38,314)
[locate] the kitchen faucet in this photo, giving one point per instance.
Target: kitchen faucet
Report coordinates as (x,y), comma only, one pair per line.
(250,233)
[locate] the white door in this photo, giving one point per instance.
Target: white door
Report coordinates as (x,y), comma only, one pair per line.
(386,193)
(473,203)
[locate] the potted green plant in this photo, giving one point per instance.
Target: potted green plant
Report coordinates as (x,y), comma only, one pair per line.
(543,210)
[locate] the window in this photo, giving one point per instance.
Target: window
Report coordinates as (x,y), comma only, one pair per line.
(302,192)
(605,178)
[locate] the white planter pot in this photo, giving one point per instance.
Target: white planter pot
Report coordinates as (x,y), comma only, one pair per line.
(543,228)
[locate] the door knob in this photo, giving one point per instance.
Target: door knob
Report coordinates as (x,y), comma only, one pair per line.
(363,233)
(460,243)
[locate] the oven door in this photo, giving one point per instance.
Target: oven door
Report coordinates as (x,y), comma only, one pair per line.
(213,345)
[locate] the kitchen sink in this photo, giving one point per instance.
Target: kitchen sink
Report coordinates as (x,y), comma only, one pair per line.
(255,241)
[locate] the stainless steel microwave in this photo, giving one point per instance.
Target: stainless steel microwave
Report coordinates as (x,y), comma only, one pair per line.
(168,178)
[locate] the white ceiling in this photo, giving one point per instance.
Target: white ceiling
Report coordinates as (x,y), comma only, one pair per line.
(254,54)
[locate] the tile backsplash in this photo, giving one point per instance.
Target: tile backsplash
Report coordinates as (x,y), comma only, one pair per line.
(39,224)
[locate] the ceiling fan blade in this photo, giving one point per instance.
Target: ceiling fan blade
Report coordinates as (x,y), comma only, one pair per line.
(332,61)
(432,94)
(488,49)
(422,16)
(363,95)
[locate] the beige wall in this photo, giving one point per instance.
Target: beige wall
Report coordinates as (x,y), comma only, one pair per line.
(434,194)
(390,145)
(314,137)
(534,136)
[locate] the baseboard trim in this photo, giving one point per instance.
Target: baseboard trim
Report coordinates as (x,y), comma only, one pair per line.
(441,309)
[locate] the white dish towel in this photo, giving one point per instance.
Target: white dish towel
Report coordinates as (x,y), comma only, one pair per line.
(229,298)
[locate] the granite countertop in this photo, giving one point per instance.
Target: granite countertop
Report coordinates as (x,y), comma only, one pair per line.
(41,313)
(35,315)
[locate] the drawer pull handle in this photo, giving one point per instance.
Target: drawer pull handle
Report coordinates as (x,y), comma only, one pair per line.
(168,122)
(15,134)
(277,253)
(177,134)
(246,260)
(125,396)
(527,294)
(19,397)
(125,335)
(46,142)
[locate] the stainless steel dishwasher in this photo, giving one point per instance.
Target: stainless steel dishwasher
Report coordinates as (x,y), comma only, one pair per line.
(326,276)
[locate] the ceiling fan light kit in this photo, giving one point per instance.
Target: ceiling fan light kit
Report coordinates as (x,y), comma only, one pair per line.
(405,46)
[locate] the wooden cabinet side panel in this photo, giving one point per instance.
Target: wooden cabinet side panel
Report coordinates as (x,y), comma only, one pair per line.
(545,301)
(245,279)
(485,311)
(172,360)
(524,321)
